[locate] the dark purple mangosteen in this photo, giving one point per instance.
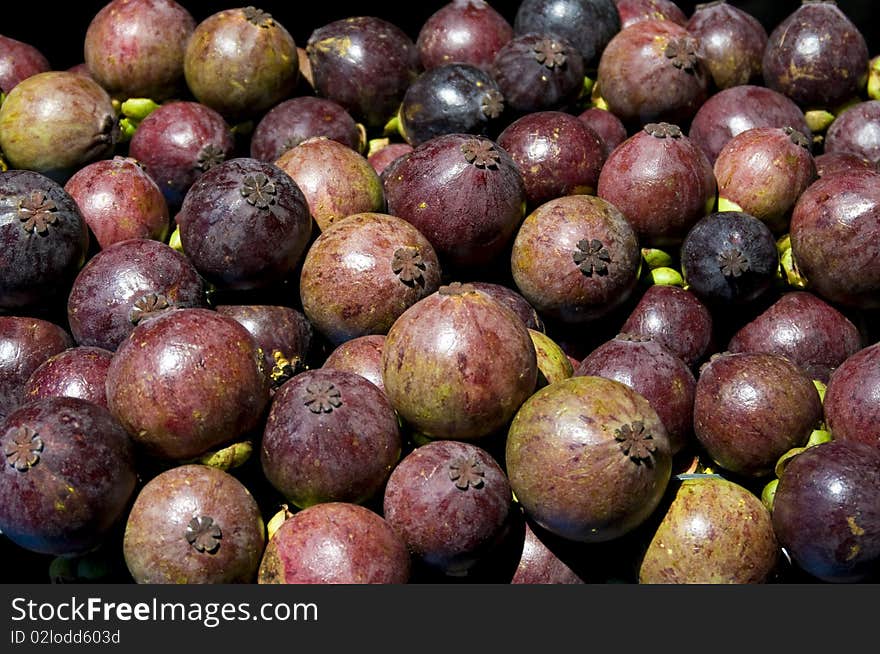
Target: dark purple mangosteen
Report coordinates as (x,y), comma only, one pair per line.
(851,409)
(78,371)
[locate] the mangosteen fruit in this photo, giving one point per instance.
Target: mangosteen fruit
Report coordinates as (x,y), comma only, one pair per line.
(18,61)
(78,371)
(335,543)
(714,531)
(330,436)
(512,300)
(362,272)
(463,31)
(588,458)
(607,126)
(194,524)
(856,130)
(361,355)
(851,410)
(632,11)
(751,408)
(68,475)
(830,163)
(450,502)
(457,364)
(543,559)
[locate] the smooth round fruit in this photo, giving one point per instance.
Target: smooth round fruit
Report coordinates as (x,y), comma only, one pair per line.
(186,381)
(588,458)
(67,477)
(856,130)
(607,126)
(330,436)
(362,272)
(450,502)
(194,524)
(365,549)
(825,512)
(79,371)
(457,364)
(715,531)
(464,31)
(361,355)
(18,61)
(851,410)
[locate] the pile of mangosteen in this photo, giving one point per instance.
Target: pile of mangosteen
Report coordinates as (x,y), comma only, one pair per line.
(544,292)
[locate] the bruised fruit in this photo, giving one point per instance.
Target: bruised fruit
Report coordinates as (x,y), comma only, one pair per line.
(457,364)
(365,549)
(751,408)
(330,436)
(588,458)
(67,477)
(194,524)
(714,531)
(450,502)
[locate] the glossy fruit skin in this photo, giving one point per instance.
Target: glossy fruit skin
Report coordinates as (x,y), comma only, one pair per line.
(25,343)
(539,71)
(733,43)
(825,512)
(607,126)
(661,181)
(653,371)
(126,283)
(831,163)
(369,550)
(856,130)
(43,240)
(832,229)
(651,71)
(632,11)
(677,319)
(365,64)
(177,143)
(447,99)
(468,210)
(74,482)
(714,531)
(851,412)
(335,180)
(361,355)
(203,369)
(55,122)
(540,563)
(330,436)
(450,502)
(457,364)
(729,256)
(135,48)
(363,272)
(589,24)
(513,301)
(751,408)
(557,154)
(804,328)
(548,254)
(240,62)
(292,121)
(384,156)
(738,108)
(764,170)
(284,334)
(568,432)
(78,371)
(816,56)
(156,544)
(244,224)
(119,200)
(464,31)
(18,61)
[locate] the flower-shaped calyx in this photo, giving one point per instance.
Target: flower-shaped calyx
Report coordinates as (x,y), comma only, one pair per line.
(797,137)
(481,153)
(663,130)
(492,104)
(635,442)
(408,265)
(37,212)
(732,262)
(466,473)
(592,257)
(23,449)
(258,190)
(322,397)
(203,534)
(210,155)
(683,53)
(148,306)
(549,52)
(258,17)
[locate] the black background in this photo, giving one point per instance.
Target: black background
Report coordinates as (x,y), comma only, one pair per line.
(58,29)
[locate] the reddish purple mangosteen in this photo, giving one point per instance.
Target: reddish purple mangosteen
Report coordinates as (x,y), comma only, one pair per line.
(18,61)
(79,371)
(464,31)
(361,355)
